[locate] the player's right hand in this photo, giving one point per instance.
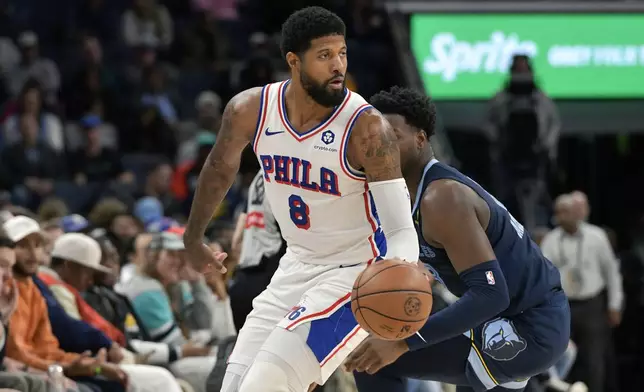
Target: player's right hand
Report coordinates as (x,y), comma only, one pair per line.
(204,259)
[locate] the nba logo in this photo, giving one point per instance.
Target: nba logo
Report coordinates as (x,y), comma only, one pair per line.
(490,278)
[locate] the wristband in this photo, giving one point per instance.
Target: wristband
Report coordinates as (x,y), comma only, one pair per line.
(98,370)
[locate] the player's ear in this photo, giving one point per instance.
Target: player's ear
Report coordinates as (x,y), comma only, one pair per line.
(421,139)
(292,60)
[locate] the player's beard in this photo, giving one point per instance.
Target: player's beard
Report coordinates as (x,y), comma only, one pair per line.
(321,93)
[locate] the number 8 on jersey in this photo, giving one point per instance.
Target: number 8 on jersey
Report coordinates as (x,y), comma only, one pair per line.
(299,212)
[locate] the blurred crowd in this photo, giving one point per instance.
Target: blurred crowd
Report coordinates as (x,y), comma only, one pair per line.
(97,95)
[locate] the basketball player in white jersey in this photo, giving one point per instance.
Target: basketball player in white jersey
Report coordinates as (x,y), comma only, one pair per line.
(329,161)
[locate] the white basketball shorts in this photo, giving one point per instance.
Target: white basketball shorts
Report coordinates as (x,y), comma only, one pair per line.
(300,294)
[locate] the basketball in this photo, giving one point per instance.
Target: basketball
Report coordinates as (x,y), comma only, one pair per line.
(391,299)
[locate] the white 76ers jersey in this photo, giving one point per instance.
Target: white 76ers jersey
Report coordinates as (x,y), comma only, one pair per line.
(322,205)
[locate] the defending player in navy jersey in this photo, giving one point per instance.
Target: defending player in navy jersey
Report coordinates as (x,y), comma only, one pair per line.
(512,320)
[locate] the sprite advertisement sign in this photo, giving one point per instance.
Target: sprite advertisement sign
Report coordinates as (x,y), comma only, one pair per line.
(467,56)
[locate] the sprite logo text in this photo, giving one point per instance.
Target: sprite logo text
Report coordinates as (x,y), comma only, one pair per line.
(449,56)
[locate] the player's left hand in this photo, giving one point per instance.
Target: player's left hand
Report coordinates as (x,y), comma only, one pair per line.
(374,354)
(204,259)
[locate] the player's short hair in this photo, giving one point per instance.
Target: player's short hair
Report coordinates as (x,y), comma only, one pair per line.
(307,24)
(416,108)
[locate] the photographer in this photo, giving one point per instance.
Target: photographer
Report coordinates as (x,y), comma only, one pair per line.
(523,128)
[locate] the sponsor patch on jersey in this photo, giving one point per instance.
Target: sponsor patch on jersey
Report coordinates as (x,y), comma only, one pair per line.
(328,137)
(490,278)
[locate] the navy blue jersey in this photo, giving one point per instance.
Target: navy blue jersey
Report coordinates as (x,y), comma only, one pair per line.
(530,277)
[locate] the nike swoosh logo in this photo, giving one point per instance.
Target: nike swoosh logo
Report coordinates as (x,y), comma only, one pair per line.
(267,132)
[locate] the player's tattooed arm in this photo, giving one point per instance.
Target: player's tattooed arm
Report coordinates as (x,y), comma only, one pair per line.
(373,147)
(221,166)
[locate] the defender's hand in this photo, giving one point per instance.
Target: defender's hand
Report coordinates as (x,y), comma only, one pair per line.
(373,354)
(423,269)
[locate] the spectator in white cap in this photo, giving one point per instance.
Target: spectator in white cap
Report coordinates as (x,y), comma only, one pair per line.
(76,258)
(24,230)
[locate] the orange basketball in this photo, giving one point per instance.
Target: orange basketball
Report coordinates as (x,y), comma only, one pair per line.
(391,299)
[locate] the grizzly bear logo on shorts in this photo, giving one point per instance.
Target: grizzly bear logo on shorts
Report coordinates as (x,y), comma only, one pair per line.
(501,340)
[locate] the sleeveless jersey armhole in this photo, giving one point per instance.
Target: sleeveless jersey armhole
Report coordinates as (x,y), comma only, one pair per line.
(349,170)
(261,115)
